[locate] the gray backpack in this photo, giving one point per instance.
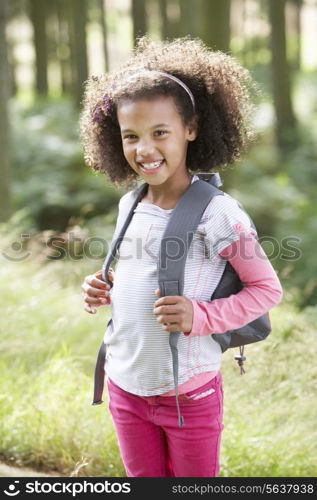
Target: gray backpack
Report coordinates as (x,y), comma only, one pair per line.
(171,265)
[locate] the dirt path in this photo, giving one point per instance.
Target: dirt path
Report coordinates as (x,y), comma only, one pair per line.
(9,471)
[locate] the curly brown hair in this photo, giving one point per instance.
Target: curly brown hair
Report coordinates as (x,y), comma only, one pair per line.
(221,88)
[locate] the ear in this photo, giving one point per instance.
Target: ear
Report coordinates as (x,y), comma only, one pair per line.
(192,130)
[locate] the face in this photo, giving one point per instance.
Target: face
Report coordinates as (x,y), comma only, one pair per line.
(155,139)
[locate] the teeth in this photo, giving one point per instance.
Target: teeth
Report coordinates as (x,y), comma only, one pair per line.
(150,166)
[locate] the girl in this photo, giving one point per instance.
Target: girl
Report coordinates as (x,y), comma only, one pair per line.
(175,108)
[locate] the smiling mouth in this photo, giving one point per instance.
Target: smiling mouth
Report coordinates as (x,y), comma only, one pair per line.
(151,167)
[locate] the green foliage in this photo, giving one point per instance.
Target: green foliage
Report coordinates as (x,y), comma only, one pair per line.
(50,177)
(47,418)
(269,427)
(280,191)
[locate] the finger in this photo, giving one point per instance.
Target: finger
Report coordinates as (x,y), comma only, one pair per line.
(168,318)
(96,300)
(172,309)
(89,309)
(90,280)
(95,292)
(157,292)
(171,300)
(171,327)
(98,274)
(95,283)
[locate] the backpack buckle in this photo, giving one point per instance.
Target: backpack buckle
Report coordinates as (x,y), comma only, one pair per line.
(240,358)
(211,177)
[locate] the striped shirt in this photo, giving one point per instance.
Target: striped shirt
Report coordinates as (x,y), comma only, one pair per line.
(138,354)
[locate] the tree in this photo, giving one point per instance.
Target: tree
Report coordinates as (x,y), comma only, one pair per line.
(15,10)
(102,8)
(38,19)
(63,48)
(164,20)
(189,21)
(173,12)
(5,207)
(139,18)
(285,119)
(297,28)
(77,18)
(215,23)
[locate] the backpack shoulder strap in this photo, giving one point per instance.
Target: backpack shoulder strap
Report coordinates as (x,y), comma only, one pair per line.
(179,233)
(174,247)
(139,193)
(99,368)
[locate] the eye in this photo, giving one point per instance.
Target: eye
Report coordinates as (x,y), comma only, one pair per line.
(130,137)
(160,133)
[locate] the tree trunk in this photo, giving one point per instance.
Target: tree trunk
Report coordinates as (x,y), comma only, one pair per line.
(189,22)
(77,20)
(164,20)
(5,163)
(80,48)
(52,36)
(64,51)
(139,18)
(285,119)
(38,19)
(298,9)
(173,18)
(103,17)
(215,23)
(12,68)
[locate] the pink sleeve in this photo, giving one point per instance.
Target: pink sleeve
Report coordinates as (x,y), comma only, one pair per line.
(261,292)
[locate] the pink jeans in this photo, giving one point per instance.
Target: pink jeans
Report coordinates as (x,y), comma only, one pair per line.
(150,440)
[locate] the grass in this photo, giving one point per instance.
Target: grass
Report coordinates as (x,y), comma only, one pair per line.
(48,348)
(270,425)
(48,345)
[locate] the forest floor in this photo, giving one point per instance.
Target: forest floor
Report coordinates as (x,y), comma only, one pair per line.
(9,471)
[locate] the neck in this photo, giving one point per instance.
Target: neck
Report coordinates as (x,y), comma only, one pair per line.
(168,194)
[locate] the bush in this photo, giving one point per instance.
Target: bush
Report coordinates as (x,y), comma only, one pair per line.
(50,177)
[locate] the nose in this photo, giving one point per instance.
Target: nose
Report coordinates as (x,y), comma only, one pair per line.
(144,148)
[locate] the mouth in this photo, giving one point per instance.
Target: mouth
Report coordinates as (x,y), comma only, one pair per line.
(152,167)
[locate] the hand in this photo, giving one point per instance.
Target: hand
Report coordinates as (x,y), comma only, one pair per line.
(96,291)
(174,312)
